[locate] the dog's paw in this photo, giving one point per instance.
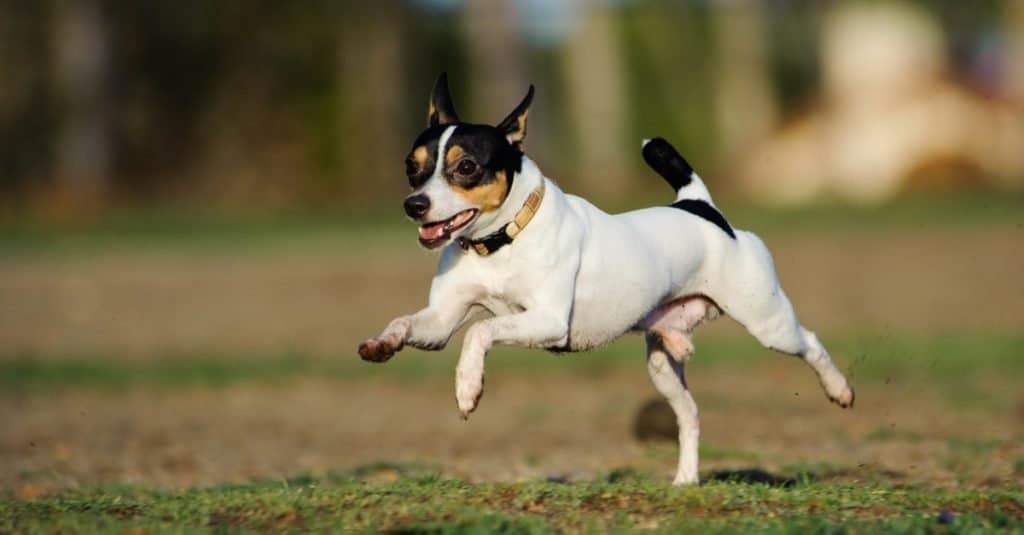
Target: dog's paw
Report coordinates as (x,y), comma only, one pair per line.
(840,393)
(846,398)
(377,349)
(468,391)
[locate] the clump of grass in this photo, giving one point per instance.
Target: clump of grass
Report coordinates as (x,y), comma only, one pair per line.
(622,500)
(891,434)
(972,446)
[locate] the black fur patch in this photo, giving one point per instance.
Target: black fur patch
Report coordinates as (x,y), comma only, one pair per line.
(485,144)
(704,210)
(666,160)
(429,138)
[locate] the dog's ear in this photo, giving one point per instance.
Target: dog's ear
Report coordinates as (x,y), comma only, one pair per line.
(514,126)
(440,109)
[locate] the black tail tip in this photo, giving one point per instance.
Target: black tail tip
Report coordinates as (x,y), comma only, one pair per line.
(661,156)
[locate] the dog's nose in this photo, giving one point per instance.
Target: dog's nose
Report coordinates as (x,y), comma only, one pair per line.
(417,205)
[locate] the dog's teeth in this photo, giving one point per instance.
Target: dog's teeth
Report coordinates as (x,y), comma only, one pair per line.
(431,232)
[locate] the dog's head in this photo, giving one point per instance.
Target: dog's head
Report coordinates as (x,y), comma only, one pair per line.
(461,173)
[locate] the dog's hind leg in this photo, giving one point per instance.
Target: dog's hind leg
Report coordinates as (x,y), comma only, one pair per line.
(667,375)
(769,316)
(833,382)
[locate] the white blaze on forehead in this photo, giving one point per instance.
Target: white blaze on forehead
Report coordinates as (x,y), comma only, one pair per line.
(444,203)
(441,146)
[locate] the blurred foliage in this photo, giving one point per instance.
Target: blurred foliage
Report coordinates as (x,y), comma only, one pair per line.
(263,103)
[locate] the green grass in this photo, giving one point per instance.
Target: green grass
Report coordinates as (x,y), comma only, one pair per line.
(947,358)
(950,211)
(385,227)
(142,231)
(420,502)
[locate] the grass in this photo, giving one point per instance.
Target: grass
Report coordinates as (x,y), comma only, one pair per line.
(179,231)
(396,499)
(952,358)
(136,229)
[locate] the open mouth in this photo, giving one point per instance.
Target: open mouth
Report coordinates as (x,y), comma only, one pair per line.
(435,234)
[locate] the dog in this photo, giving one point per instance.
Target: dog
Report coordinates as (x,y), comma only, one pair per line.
(557,273)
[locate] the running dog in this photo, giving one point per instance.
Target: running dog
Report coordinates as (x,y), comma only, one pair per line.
(558,273)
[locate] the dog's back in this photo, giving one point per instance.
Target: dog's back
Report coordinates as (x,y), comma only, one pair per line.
(660,254)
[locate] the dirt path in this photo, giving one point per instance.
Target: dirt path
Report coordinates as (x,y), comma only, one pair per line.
(526,428)
(324,302)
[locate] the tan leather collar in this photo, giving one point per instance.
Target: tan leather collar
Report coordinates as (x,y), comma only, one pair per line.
(496,240)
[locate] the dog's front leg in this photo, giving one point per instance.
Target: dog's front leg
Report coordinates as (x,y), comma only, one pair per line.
(539,327)
(544,322)
(429,328)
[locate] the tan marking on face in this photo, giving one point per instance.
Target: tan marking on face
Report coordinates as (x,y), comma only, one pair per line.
(421,155)
(487,197)
(454,153)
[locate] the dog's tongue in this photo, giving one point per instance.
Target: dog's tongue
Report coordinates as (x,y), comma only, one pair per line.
(433,231)
(461,218)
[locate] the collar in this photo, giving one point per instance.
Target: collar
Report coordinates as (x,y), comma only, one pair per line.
(503,236)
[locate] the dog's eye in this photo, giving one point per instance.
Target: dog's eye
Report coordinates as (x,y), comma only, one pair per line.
(466,167)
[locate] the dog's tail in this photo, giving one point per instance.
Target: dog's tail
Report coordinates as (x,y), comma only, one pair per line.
(667,162)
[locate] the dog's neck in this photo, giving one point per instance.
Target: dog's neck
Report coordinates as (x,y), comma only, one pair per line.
(524,182)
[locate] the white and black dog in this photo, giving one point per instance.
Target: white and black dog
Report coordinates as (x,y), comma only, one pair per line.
(558,273)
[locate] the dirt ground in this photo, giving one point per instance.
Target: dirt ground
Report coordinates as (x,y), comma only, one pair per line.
(148,305)
(532,428)
(325,301)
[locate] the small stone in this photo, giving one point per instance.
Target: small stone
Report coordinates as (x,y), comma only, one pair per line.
(945,517)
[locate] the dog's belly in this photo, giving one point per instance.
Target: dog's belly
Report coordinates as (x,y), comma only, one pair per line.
(630,266)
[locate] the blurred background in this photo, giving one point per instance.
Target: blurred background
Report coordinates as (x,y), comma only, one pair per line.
(312,105)
(200,219)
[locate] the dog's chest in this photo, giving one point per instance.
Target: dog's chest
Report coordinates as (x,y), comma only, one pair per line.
(500,305)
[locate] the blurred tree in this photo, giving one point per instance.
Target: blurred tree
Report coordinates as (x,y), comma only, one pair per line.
(370,83)
(255,103)
(745,105)
(81,61)
(497,67)
(670,80)
(26,110)
(597,98)
(1014,30)
(168,62)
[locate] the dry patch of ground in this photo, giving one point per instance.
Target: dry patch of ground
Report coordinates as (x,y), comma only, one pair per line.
(528,427)
(145,304)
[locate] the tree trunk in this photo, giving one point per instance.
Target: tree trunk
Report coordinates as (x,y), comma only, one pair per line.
(746,108)
(370,97)
(1014,27)
(80,62)
(497,60)
(595,78)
